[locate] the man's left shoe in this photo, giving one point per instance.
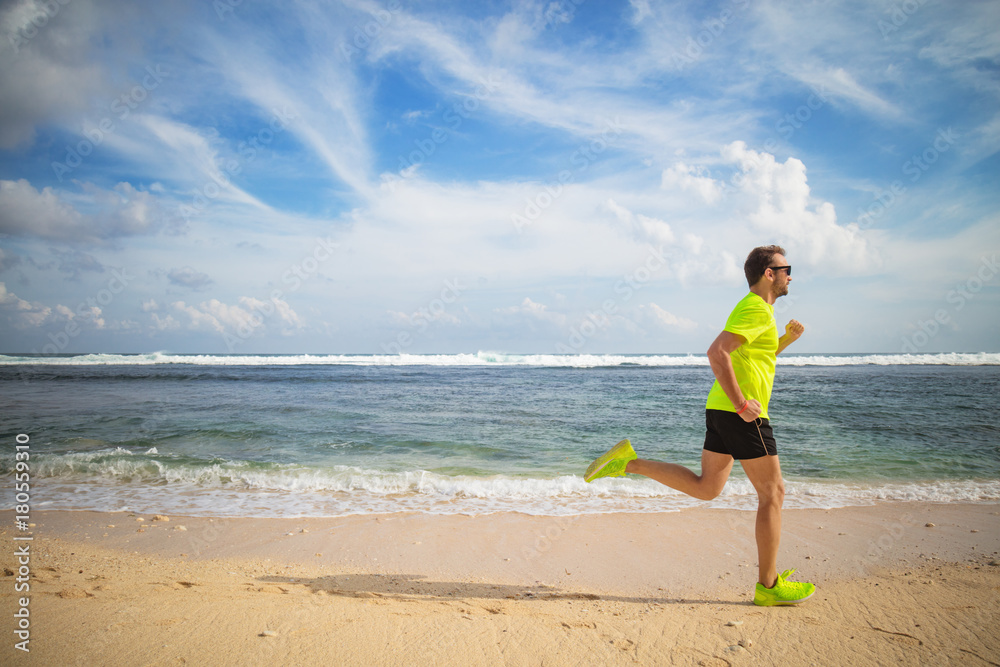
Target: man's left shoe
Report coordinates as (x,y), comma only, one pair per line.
(613,463)
(783,591)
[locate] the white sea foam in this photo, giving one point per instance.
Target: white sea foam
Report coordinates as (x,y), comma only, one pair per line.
(115,480)
(487,359)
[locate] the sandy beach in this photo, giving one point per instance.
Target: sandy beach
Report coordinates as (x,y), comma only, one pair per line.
(906,583)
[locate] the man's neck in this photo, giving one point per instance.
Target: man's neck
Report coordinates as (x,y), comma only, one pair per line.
(763,290)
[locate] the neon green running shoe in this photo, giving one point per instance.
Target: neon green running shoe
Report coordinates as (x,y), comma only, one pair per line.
(613,463)
(783,591)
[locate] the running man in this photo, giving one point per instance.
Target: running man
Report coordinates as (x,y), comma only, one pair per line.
(742,359)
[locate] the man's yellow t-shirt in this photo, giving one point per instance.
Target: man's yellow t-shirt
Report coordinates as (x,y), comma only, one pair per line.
(753,361)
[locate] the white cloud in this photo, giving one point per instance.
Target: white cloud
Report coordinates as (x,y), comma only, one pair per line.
(777,202)
(322,93)
(21,313)
(24,211)
(287,317)
(213,315)
(838,83)
(642,227)
(190,158)
(690,178)
(653,314)
(248,315)
(167,323)
(122,211)
(552,84)
(91,314)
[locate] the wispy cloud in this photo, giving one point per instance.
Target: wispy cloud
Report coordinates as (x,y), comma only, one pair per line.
(536,152)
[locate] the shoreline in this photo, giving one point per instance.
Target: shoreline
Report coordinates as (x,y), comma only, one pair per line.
(423,492)
(515,588)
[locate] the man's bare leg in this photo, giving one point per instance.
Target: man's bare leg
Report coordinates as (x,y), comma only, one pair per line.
(765,475)
(715,469)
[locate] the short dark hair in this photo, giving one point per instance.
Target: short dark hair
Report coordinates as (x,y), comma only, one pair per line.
(758,260)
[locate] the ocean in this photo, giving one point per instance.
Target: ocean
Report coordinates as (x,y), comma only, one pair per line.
(332,435)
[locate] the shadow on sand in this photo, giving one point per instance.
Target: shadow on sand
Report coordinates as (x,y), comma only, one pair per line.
(413,586)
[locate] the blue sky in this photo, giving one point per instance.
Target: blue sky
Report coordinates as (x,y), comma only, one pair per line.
(575,176)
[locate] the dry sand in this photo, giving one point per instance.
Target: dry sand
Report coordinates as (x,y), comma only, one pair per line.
(507,589)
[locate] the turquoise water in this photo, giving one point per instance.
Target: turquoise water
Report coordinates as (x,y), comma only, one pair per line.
(266,436)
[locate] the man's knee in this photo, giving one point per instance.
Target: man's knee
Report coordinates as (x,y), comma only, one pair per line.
(772,494)
(711,490)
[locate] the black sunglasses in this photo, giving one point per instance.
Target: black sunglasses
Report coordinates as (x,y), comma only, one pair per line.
(779,268)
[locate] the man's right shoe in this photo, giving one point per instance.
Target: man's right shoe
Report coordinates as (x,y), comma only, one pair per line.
(613,463)
(783,591)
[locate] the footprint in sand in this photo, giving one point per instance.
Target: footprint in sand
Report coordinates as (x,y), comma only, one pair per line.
(578,624)
(269,589)
(73,593)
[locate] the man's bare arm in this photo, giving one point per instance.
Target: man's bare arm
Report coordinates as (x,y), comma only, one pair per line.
(793,330)
(718,356)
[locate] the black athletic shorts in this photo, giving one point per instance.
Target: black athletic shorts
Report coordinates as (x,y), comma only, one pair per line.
(727,433)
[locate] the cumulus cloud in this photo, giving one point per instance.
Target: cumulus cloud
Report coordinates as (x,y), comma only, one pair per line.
(781,207)
(248,315)
(122,211)
(24,211)
(764,201)
(167,323)
(692,179)
(22,314)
